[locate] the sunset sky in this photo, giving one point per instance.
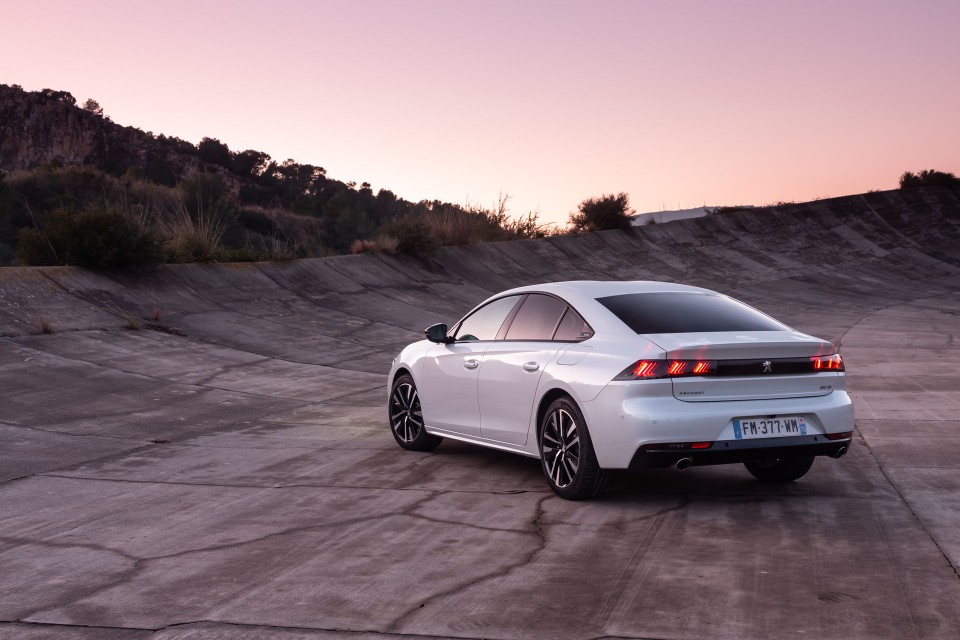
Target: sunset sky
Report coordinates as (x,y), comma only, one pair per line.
(679,104)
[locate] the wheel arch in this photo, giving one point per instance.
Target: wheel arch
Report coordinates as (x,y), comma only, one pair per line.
(402,370)
(545,401)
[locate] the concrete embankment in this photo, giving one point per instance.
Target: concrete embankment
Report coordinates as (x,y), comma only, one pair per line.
(826,261)
(200,450)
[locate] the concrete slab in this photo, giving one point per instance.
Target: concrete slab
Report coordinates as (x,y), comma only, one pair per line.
(26,631)
(228,475)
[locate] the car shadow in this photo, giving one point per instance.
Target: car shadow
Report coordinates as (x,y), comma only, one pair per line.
(510,473)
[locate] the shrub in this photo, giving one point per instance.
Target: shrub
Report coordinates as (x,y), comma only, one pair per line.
(413,236)
(455,226)
(928,178)
(529,226)
(7,253)
(206,191)
(606,212)
(379,244)
(729,209)
(97,238)
(194,227)
(48,188)
(256,221)
(194,237)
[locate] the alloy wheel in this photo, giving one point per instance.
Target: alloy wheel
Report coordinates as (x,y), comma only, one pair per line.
(406,417)
(560,446)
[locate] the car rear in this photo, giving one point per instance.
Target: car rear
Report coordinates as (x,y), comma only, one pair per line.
(729,384)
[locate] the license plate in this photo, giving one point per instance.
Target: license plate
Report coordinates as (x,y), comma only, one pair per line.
(747,428)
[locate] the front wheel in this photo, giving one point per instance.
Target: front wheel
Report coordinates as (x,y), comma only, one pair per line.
(566,453)
(406,417)
(780,469)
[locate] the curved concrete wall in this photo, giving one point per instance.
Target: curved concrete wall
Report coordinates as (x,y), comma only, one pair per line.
(230,472)
(818,266)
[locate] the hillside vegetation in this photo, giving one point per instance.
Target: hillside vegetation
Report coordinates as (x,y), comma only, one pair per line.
(79,189)
(74,183)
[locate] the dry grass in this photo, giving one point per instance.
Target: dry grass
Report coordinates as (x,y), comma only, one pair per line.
(529,226)
(45,325)
(196,237)
(457,227)
(379,244)
(299,234)
(132,323)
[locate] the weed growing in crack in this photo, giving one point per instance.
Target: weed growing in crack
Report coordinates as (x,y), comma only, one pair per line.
(45,325)
(132,323)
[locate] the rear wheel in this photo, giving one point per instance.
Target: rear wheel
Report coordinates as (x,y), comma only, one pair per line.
(566,453)
(406,417)
(780,469)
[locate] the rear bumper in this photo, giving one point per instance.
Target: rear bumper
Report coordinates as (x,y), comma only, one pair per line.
(727,452)
(626,418)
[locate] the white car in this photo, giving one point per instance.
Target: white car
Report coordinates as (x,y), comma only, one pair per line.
(594,376)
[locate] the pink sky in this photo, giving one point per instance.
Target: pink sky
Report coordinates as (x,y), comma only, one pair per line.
(676,103)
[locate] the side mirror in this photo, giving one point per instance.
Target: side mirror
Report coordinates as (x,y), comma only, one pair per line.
(437,333)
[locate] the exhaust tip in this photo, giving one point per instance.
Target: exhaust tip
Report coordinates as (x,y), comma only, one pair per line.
(842,451)
(682,464)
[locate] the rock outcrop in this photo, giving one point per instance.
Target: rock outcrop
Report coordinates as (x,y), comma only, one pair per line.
(42,127)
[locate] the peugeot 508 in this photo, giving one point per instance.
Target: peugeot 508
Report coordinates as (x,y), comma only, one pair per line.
(594,376)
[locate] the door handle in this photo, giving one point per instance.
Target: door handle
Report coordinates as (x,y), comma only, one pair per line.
(530,367)
(471,364)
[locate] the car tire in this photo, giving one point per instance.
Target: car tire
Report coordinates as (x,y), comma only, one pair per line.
(780,469)
(406,417)
(566,453)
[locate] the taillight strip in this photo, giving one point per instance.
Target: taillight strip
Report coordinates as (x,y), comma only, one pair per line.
(683,368)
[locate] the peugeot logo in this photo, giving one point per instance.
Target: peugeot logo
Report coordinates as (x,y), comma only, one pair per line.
(767,366)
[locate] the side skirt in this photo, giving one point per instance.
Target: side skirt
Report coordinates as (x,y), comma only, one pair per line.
(490,444)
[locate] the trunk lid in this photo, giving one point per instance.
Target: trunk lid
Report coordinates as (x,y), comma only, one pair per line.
(753,365)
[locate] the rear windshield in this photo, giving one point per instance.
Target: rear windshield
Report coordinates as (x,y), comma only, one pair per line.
(683,312)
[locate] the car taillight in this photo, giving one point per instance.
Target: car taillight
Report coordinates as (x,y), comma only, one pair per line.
(833,362)
(651,369)
(648,369)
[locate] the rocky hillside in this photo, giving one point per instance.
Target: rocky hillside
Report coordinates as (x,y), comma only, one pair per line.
(62,165)
(42,127)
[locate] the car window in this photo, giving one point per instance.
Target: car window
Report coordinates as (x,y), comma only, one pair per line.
(572,327)
(484,323)
(537,318)
(687,312)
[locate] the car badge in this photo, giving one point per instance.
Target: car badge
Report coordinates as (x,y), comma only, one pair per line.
(767,366)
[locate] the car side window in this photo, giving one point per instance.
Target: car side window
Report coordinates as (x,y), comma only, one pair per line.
(572,328)
(485,322)
(537,318)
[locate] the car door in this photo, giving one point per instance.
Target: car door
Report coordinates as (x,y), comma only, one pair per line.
(512,368)
(449,373)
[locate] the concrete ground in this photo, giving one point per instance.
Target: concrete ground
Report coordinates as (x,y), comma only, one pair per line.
(201,452)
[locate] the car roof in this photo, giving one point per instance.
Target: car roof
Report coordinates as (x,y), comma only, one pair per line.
(602,288)
(583,295)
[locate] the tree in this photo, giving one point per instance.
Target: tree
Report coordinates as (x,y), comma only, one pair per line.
(60,96)
(215,152)
(928,178)
(606,212)
(250,163)
(93,107)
